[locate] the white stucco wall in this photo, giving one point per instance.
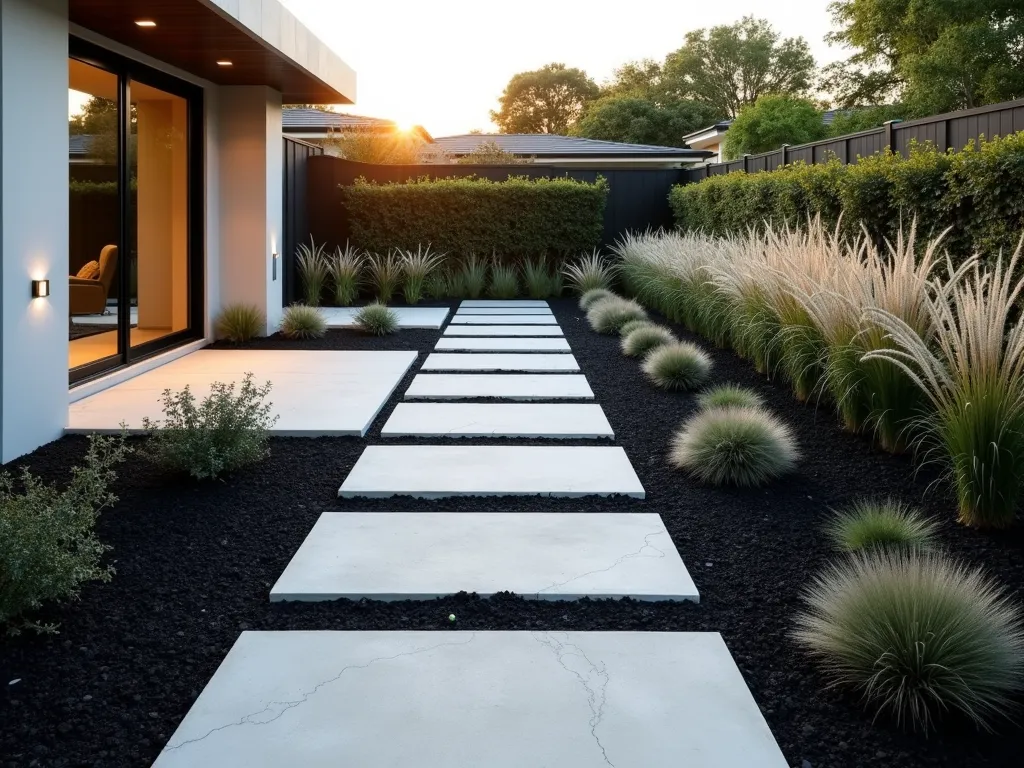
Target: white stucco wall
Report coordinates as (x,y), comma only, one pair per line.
(34,203)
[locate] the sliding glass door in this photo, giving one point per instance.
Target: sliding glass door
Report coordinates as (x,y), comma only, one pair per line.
(135,169)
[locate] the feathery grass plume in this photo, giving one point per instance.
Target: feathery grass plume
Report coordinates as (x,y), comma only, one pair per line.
(417,266)
(311,262)
(376,319)
(632,325)
(971,369)
(594,295)
(918,636)
(539,280)
(472,278)
(735,446)
(345,267)
(881,523)
(385,273)
(644,339)
(609,315)
(729,395)
(589,272)
(677,366)
(302,322)
(240,322)
(504,281)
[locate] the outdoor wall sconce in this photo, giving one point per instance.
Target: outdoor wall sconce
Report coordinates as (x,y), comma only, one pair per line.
(274,262)
(40,289)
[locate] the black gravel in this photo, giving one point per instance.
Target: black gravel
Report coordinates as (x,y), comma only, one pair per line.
(195,564)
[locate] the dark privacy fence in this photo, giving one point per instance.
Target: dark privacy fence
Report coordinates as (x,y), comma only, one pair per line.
(953,130)
(296,207)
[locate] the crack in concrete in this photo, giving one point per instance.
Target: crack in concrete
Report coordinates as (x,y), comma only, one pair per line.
(305,696)
(595,694)
(631,555)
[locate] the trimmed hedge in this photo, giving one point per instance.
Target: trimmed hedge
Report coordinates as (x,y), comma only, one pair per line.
(976,193)
(519,217)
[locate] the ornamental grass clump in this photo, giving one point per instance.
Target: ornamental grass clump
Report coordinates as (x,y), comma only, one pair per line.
(224,432)
(240,322)
(594,295)
(881,523)
(417,266)
(311,263)
(384,273)
(642,340)
(540,281)
(632,325)
(677,366)
(734,446)
(918,636)
(729,395)
(609,315)
(346,271)
(376,319)
(971,370)
(471,279)
(48,543)
(589,272)
(504,281)
(302,322)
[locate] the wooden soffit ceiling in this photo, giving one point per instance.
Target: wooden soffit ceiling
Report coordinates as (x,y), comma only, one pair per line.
(264,42)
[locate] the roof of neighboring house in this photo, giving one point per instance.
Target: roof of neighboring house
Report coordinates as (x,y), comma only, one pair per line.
(720,127)
(318,120)
(550,145)
(80,144)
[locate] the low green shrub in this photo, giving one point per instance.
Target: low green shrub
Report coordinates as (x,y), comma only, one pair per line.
(504,281)
(735,446)
(589,272)
(376,319)
(215,437)
(677,366)
(594,295)
(729,395)
(609,315)
(240,322)
(302,322)
(48,543)
(473,215)
(918,636)
(881,523)
(311,263)
(642,340)
(346,270)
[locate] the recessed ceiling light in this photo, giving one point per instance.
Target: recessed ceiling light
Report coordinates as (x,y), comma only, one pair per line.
(145,23)
(225,63)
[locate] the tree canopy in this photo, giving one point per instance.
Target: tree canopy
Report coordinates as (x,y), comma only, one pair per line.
(637,120)
(771,122)
(546,100)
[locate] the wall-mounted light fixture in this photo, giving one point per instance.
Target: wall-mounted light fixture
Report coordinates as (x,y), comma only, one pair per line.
(146,23)
(40,289)
(225,63)
(274,257)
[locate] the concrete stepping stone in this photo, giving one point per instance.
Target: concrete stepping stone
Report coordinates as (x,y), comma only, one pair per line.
(502,345)
(470,303)
(503,311)
(444,699)
(442,471)
(412,556)
(502,330)
(504,320)
(506,386)
(554,420)
(430,318)
(444,361)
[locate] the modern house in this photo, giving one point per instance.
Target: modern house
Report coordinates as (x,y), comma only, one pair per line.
(712,138)
(118,265)
(315,125)
(550,149)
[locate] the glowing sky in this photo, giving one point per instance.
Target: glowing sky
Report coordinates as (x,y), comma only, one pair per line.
(443,64)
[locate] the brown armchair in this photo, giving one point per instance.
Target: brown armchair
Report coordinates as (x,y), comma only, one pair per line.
(89,295)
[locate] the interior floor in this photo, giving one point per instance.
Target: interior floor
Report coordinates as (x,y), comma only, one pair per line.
(98,346)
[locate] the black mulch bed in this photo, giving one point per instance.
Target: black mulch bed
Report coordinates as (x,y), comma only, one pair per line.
(195,564)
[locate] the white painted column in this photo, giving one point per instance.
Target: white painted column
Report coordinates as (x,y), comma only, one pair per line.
(251,199)
(34,228)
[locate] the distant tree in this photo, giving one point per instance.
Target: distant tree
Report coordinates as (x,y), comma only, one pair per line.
(547,100)
(376,146)
(728,67)
(637,120)
(771,122)
(865,118)
(641,79)
(490,153)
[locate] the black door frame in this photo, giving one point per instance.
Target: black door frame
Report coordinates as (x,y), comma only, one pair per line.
(127,70)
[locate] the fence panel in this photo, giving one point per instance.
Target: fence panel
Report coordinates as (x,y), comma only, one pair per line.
(296,207)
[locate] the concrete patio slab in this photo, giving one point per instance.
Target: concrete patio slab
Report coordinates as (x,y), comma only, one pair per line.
(430,318)
(314,393)
(504,320)
(408,556)
(553,420)
(443,361)
(505,386)
(438,699)
(503,311)
(502,330)
(442,471)
(515,344)
(470,303)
